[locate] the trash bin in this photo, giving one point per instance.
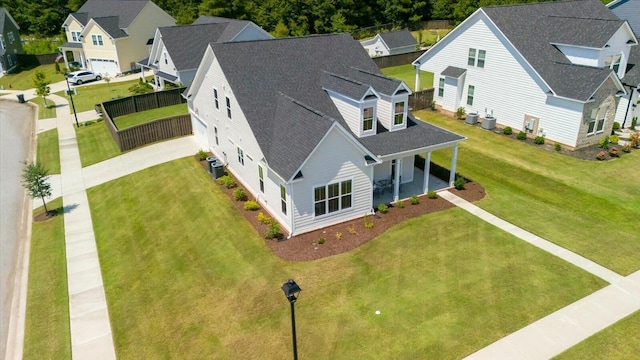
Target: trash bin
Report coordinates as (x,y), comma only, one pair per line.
(21,98)
(211,160)
(217,170)
(472,118)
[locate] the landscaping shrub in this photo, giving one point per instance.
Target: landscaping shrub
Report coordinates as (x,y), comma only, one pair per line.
(521,135)
(368,224)
(626,148)
(274,231)
(539,140)
(601,155)
(202,155)
(507,131)
(383,208)
(634,139)
(432,195)
(604,143)
(459,183)
(614,139)
(461,112)
(227,181)
(613,152)
(251,205)
(432,105)
(400,204)
(338,235)
(616,125)
(321,241)
(352,230)
(634,122)
(263,219)
(558,147)
(239,194)
(414,200)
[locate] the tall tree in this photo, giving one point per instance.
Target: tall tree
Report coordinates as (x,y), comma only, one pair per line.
(35,178)
(41,83)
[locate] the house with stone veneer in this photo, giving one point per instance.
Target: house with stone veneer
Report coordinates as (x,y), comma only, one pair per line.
(312,129)
(551,69)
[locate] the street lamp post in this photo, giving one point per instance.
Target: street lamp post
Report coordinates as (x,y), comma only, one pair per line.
(73,106)
(292,291)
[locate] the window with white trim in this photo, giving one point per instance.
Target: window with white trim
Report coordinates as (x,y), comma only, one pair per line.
(10,37)
(441,87)
(470,93)
(481,55)
(75,36)
(215,98)
(398,114)
(261,177)
(228,107)
(166,59)
(283,199)
(215,134)
(333,197)
(240,156)
(472,57)
(97,40)
(367,119)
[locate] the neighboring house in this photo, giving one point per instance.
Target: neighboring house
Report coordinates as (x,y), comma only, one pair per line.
(551,69)
(177,50)
(10,44)
(110,36)
(628,107)
(390,43)
(311,127)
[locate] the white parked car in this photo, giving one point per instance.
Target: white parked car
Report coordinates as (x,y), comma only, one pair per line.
(79,77)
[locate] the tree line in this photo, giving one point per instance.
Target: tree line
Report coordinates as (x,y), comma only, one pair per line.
(279,17)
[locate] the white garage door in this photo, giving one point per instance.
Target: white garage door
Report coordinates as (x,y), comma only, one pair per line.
(200,131)
(104,66)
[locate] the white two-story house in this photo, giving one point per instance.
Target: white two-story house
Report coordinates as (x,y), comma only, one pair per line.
(551,69)
(311,128)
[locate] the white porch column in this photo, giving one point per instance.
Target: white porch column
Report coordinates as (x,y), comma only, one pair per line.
(417,86)
(396,180)
(427,168)
(64,56)
(454,159)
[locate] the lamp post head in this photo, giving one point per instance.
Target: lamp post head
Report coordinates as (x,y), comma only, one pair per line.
(291,290)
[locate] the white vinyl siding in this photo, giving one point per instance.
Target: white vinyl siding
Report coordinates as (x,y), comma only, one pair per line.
(441,87)
(97,40)
(350,111)
(335,160)
(385,111)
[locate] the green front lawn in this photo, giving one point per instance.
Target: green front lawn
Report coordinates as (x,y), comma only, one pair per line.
(585,206)
(619,341)
(24,79)
(95,143)
(47,333)
(447,284)
(407,73)
(88,95)
(44,112)
(49,151)
(126,121)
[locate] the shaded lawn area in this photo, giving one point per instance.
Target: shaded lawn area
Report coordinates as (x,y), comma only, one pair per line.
(619,341)
(44,112)
(47,334)
(447,284)
(126,121)
(585,206)
(24,79)
(429,36)
(407,73)
(49,150)
(89,94)
(95,143)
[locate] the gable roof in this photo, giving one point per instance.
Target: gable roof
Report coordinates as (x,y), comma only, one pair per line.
(125,10)
(533,28)
(110,25)
(627,10)
(453,72)
(400,38)
(4,14)
(279,86)
(632,76)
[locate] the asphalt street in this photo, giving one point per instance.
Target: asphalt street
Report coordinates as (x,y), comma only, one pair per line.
(16,136)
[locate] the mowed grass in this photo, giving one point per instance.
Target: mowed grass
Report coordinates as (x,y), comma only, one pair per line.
(183,267)
(47,334)
(588,207)
(24,79)
(88,95)
(407,73)
(618,341)
(49,151)
(44,112)
(126,121)
(95,143)
(429,36)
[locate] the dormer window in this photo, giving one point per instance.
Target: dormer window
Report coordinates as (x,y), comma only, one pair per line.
(398,115)
(367,119)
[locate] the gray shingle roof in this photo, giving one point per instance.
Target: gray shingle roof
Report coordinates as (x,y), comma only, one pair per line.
(4,14)
(632,76)
(110,25)
(400,38)
(382,84)
(217,20)
(453,72)
(532,28)
(627,10)
(343,85)
(279,86)
(126,10)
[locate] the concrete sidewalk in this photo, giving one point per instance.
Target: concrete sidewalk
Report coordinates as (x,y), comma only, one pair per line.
(570,325)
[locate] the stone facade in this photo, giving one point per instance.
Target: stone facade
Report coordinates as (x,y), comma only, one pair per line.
(604,97)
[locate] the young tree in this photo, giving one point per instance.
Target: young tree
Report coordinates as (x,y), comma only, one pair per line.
(41,83)
(35,178)
(107,79)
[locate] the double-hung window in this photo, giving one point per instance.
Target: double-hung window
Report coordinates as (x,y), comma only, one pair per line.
(97,40)
(228,108)
(441,87)
(470,95)
(472,57)
(367,119)
(261,178)
(10,37)
(283,199)
(398,117)
(75,36)
(333,197)
(240,156)
(215,98)
(215,133)
(481,56)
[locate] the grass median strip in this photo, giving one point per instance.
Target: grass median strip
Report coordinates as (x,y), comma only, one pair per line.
(49,151)
(181,266)
(43,111)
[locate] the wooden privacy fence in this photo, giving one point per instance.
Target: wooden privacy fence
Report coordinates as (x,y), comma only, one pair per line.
(147,133)
(397,60)
(421,100)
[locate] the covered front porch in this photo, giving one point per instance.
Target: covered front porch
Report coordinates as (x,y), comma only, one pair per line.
(416,187)
(75,52)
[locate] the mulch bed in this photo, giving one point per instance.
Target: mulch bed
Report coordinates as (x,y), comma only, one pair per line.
(44,216)
(349,235)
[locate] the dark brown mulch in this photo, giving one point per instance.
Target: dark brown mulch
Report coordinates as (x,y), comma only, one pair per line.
(44,216)
(305,247)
